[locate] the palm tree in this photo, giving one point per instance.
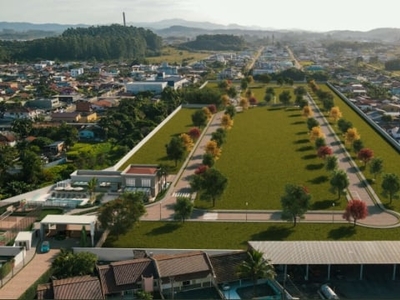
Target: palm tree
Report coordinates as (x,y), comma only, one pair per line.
(255,267)
(92,184)
(163,171)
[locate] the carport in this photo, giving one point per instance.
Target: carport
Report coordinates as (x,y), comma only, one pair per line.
(51,220)
(330,253)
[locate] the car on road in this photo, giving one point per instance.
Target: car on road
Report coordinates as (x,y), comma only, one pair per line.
(45,247)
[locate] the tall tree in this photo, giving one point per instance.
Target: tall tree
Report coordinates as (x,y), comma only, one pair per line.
(365,155)
(183,209)
(199,118)
(339,181)
(331,163)
(256,267)
(390,185)
(22,127)
(163,170)
(284,97)
(324,151)
(231,111)
(121,214)
(351,135)
(68,264)
(175,149)
(213,149)
(358,145)
(219,136)
(335,114)
(295,202)
(344,125)
(212,184)
(356,209)
(311,123)
(376,166)
(92,185)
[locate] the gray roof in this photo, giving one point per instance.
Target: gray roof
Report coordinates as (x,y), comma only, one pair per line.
(329,252)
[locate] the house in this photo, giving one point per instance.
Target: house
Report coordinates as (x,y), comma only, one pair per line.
(395,132)
(83,106)
(126,277)
(226,266)
(46,104)
(21,113)
(88,117)
(145,86)
(70,117)
(101,105)
(76,72)
(54,149)
(80,287)
(143,178)
(8,138)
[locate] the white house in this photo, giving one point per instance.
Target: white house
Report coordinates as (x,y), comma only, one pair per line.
(76,72)
(144,86)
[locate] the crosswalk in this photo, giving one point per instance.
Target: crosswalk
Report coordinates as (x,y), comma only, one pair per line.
(181,194)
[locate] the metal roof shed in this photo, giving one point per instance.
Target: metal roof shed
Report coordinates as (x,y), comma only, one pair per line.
(24,239)
(330,253)
(69,220)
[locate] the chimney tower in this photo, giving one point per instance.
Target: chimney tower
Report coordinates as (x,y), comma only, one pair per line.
(123,17)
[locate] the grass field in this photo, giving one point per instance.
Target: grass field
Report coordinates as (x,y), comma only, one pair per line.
(266,149)
(175,56)
(153,152)
(229,235)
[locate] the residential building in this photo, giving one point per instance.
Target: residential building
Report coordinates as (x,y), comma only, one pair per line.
(145,86)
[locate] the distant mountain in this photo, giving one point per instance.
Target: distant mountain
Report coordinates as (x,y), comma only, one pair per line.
(25,26)
(379,34)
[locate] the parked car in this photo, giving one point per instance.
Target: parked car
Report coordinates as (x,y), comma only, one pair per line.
(45,247)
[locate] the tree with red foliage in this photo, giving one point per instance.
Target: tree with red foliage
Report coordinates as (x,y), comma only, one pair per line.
(212,108)
(194,133)
(253,101)
(365,155)
(356,210)
(324,151)
(201,169)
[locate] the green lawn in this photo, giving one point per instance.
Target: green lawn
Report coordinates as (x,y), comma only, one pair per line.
(267,148)
(230,235)
(153,152)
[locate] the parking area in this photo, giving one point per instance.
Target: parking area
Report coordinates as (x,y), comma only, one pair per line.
(345,281)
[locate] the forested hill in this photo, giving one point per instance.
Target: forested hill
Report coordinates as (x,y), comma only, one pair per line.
(215,42)
(100,42)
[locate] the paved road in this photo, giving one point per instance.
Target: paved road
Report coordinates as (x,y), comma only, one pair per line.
(359,189)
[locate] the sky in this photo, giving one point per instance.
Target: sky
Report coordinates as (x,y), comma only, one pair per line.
(311,15)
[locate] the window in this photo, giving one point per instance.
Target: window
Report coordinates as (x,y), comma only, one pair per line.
(185,283)
(130,182)
(146,183)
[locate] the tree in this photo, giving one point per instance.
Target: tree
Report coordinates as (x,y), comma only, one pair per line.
(311,123)
(211,184)
(268,97)
(231,111)
(163,170)
(92,184)
(307,111)
(256,267)
(319,142)
(219,136)
(225,100)
(226,122)
(316,132)
(143,295)
(207,112)
(183,209)
(356,210)
(208,160)
(365,155)
(187,141)
(344,125)
(244,103)
(339,181)
(83,242)
(358,145)
(324,151)
(331,163)
(390,185)
(121,214)
(68,264)
(376,166)
(351,135)
(295,202)
(194,133)
(284,97)
(199,118)
(22,127)
(176,149)
(335,114)
(213,149)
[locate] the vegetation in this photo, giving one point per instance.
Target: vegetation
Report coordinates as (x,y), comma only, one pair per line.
(216,42)
(295,202)
(183,209)
(235,235)
(69,264)
(355,210)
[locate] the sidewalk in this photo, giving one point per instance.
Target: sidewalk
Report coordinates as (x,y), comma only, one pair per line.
(26,273)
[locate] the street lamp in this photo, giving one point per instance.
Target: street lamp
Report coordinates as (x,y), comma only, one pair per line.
(247,204)
(333,212)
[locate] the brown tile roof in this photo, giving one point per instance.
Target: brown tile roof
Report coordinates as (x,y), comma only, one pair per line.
(182,265)
(225,265)
(44,291)
(124,275)
(80,287)
(142,170)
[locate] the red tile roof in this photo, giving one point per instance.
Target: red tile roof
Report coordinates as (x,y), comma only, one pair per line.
(142,170)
